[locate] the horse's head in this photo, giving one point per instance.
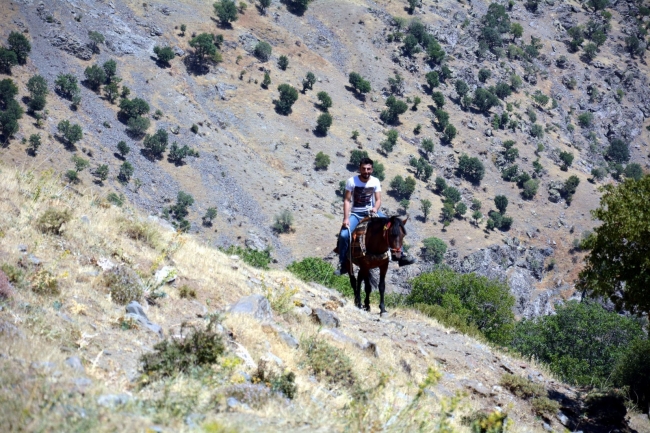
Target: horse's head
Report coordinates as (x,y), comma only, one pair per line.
(395,233)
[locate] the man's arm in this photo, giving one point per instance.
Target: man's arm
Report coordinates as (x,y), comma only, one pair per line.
(377,205)
(347,199)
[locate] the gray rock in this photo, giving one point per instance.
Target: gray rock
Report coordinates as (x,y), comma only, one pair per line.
(288,339)
(194,420)
(325,318)
(476,387)
(254,305)
(232,402)
(178,51)
(248,41)
(164,275)
(10,330)
(255,241)
(155,30)
(134,311)
(75,363)
(82,382)
(113,400)
(70,44)
(22,248)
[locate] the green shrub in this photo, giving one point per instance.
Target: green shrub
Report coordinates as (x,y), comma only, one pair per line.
(485,303)
(43,282)
(325,100)
(521,386)
(329,363)
(545,407)
(123,284)
(95,76)
(156,144)
(356,156)
(494,422)
(126,171)
(434,249)
(164,54)
(322,161)
(392,113)
(186,291)
(470,168)
(283,62)
(288,96)
(323,123)
(195,349)
(585,119)
(226,10)
(263,51)
(52,221)
(449,319)
(257,259)
(402,188)
(581,343)
(632,371)
(319,271)
(283,222)
(283,383)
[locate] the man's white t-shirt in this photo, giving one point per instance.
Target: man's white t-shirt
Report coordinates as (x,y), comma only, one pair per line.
(363,193)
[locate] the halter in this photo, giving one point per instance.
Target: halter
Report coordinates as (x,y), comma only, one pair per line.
(392,250)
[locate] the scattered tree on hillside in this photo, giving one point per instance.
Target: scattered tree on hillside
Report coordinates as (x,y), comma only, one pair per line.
(37,87)
(283,62)
(226,10)
(8,59)
(358,83)
(323,123)
(95,76)
(392,113)
(308,82)
(325,100)
(288,96)
(164,54)
(263,51)
(263,5)
(96,39)
(71,133)
(19,44)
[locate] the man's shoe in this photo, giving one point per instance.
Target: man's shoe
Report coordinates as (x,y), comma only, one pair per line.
(406,260)
(342,270)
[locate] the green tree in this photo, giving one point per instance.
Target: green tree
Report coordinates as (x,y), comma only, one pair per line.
(618,266)
(633,171)
(425,207)
(411,46)
(581,342)
(8,90)
(263,5)
(450,133)
(516,30)
(164,54)
(95,76)
(423,170)
(461,88)
(137,126)
(618,151)
(308,82)
(203,45)
(441,184)
(427,145)
(156,144)
(434,250)
(402,188)
(390,142)
(392,113)
(123,149)
(37,86)
(536,130)
(177,154)
(110,68)
(112,91)
(484,100)
(451,194)
(598,4)
(484,75)
(19,44)
(632,372)
(433,80)
(323,123)
(288,96)
(267,80)
(283,62)
(438,99)
(299,7)
(442,119)
(34,143)
(9,119)
(356,156)
(80,164)
(567,159)
(590,51)
(126,171)
(502,90)
(471,168)
(101,172)
(226,10)
(358,83)
(96,39)
(210,214)
(325,100)
(183,29)
(530,189)
(8,59)
(263,51)
(66,86)
(435,53)
(130,108)
(501,202)
(72,133)
(322,161)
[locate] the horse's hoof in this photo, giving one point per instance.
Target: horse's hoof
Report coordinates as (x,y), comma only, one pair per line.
(383,314)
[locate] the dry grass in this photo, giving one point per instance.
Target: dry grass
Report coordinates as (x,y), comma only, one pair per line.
(83,320)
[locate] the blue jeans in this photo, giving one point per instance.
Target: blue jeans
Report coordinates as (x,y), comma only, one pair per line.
(344,236)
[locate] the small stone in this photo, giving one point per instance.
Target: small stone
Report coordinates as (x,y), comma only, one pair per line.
(254,305)
(113,400)
(288,339)
(325,318)
(134,311)
(193,420)
(22,248)
(165,275)
(75,363)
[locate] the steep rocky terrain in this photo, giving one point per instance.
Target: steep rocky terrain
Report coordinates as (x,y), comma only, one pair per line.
(254,163)
(71,348)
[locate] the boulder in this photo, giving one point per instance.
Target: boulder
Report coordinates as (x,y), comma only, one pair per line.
(254,305)
(325,318)
(134,311)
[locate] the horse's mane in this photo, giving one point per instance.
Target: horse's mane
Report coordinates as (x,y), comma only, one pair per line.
(395,227)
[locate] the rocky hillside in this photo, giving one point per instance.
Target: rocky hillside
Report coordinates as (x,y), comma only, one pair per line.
(89,290)
(572,94)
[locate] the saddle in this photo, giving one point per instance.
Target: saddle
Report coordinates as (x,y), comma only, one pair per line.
(358,244)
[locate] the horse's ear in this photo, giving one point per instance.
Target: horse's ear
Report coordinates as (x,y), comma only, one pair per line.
(405,219)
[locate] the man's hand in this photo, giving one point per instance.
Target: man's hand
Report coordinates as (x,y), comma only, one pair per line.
(346,223)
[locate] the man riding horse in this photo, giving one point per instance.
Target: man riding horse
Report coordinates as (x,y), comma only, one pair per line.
(362,199)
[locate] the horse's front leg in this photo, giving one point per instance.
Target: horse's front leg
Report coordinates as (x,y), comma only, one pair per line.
(368,288)
(356,286)
(382,286)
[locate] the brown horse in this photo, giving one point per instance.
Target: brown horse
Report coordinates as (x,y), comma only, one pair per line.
(383,237)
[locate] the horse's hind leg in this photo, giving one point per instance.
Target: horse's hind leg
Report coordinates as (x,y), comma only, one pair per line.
(382,286)
(368,288)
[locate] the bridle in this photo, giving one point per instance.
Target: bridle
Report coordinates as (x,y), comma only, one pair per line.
(392,250)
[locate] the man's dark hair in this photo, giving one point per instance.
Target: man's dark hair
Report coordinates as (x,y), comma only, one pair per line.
(365,161)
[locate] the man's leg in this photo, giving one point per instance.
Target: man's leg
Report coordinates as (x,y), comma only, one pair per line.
(344,243)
